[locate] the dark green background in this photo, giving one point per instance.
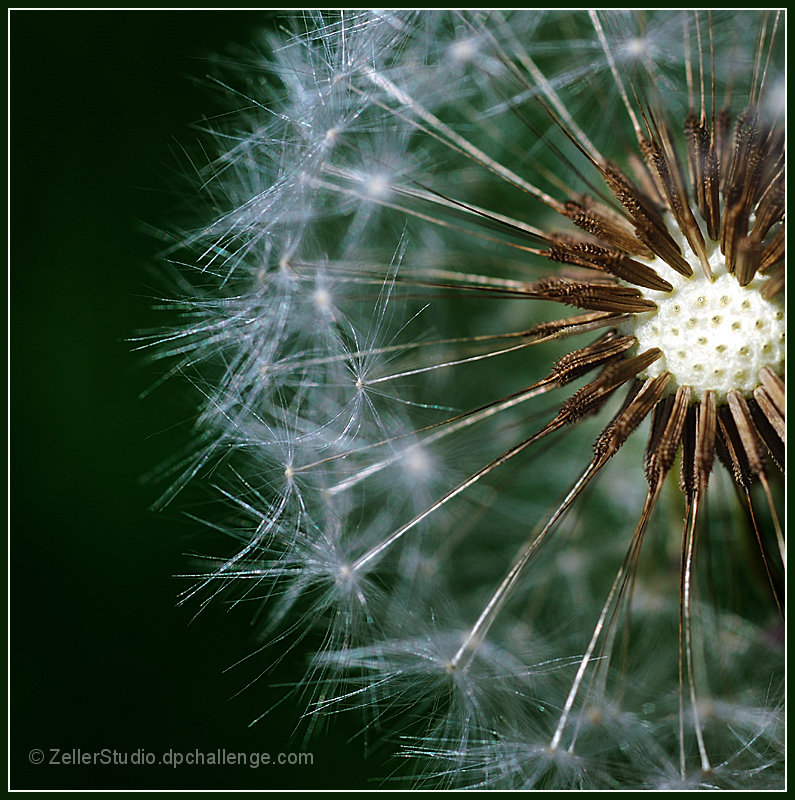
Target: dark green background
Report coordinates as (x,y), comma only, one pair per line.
(102,657)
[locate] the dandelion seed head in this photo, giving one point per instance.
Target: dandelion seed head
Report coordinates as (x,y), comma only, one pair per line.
(418,463)
(377,186)
(637,47)
(464,50)
(345,573)
(428,459)
(774,104)
(322,299)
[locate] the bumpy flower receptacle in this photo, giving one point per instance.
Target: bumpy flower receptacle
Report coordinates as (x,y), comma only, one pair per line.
(713,333)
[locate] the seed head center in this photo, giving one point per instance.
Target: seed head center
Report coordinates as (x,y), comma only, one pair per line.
(713,334)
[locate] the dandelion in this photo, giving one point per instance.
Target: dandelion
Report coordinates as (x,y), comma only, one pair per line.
(393,396)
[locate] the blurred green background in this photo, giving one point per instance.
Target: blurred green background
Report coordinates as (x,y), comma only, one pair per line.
(102,656)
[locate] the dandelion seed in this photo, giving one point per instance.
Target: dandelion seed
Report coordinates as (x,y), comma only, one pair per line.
(404,225)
